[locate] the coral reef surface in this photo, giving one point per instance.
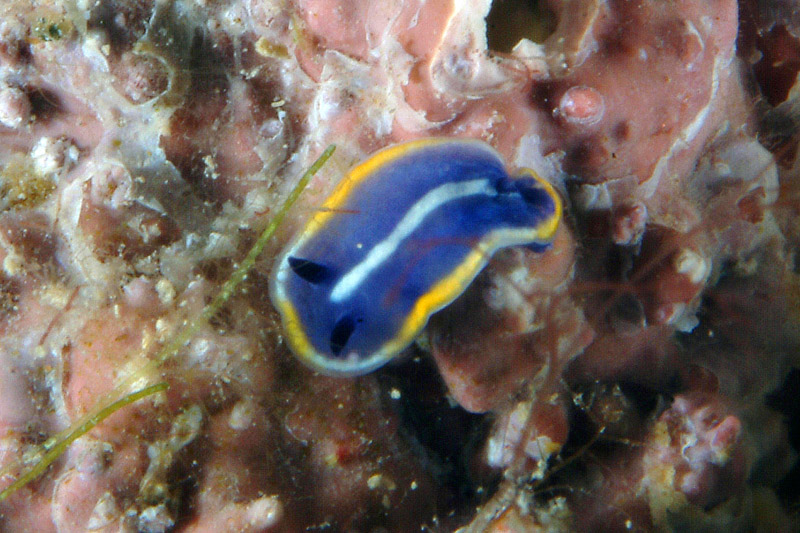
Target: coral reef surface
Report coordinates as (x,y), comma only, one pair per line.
(640,375)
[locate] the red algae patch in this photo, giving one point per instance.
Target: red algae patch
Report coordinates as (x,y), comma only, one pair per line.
(639,374)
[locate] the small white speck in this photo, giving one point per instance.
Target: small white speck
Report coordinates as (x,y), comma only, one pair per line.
(104,513)
(165,291)
(395,394)
(241,416)
(692,265)
(264,513)
(13,264)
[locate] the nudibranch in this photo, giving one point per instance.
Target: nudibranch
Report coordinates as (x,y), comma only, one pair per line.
(402,235)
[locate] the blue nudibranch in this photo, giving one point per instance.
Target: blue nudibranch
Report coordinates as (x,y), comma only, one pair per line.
(402,235)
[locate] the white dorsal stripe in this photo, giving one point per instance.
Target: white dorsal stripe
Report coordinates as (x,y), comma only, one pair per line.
(431,201)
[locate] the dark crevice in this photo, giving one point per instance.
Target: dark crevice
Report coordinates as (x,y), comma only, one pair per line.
(446,437)
(784,400)
(509,21)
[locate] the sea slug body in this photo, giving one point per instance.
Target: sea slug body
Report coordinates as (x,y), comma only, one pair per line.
(402,235)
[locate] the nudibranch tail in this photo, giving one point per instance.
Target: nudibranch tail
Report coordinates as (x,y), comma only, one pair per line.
(401,236)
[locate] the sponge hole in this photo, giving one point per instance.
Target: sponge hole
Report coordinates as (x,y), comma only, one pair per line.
(509,21)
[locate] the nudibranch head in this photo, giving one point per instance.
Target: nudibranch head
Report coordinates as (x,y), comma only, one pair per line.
(403,234)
